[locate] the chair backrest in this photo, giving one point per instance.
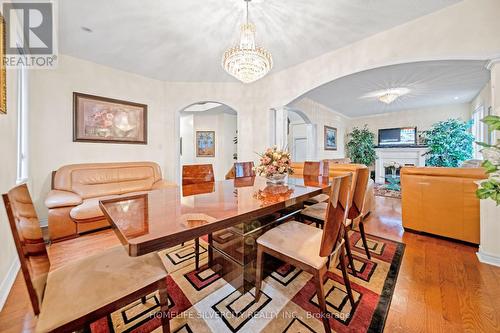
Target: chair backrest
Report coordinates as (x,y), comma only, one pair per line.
(336,213)
(197,173)
(316,168)
(30,245)
(358,197)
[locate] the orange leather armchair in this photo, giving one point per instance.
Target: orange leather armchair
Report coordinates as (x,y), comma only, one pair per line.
(73,202)
(442,201)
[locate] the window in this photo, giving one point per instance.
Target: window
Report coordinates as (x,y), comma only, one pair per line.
(22,126)
(478,130)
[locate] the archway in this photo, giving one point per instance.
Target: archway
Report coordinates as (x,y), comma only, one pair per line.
(292,129)
(208,135)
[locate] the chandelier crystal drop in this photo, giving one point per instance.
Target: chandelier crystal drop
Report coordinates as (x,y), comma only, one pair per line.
(247,62)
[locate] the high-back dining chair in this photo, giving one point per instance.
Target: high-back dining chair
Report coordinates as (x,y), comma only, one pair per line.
(240,170)
(315,213)
(197,173)
(309,248)
(83,291)
(316,169)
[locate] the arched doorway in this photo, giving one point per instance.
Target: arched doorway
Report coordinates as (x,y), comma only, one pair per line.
(292,129)
(208,135)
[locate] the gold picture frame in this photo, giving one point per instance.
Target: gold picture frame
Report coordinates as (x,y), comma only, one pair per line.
(3,82)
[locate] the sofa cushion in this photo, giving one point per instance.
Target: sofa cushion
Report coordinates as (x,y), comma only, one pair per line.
(89,209)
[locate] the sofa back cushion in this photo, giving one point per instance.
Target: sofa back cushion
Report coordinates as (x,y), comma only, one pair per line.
(99,179)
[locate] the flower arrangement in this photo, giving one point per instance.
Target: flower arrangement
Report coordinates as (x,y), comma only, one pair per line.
(392,165)
(274,163)
(393,180)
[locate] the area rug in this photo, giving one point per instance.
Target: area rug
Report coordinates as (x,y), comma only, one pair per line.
(201,301)
(381,191)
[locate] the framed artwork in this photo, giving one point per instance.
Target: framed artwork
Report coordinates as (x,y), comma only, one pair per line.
(330,138)
(205,143)
(106,120)
(3,83)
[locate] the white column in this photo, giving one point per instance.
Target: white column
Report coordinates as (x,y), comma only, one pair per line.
(489,249)
(281,134)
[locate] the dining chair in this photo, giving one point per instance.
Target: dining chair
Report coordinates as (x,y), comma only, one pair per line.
(198,174)
(315,213)
(241,169)
(316,169)
(75,295)
(309,248)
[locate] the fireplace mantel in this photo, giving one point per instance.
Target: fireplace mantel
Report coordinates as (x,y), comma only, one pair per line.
(401,155)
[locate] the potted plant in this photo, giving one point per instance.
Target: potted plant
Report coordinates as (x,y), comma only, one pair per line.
(274,165)
(449,142)
(489,193)
(360,146)
(394,181)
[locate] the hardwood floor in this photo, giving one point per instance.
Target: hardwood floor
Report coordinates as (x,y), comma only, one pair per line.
(441,284)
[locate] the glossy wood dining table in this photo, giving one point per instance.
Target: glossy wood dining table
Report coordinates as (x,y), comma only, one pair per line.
(242,207)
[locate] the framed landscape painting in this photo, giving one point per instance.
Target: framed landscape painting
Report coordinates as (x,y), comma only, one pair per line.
(205,144)
(330,138)
(101,119)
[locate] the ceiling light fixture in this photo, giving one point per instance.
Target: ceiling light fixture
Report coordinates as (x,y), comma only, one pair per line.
(247,62)
(388,96)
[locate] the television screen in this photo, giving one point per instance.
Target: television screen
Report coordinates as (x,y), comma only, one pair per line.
(397,136)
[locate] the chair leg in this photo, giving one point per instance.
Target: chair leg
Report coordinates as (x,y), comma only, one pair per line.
(363,237)
(320,291)
(259,270)
(197,253)
(349,253)
(210,249)
(162,289)
(347,283)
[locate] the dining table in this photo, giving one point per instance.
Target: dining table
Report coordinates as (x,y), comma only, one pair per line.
(234,213)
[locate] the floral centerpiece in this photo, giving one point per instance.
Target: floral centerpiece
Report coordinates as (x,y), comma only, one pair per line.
(274,165)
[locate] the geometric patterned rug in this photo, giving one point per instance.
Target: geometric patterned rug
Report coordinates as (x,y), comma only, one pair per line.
(288,302)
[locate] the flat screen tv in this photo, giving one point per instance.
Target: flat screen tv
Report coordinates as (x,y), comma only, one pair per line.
(403,136)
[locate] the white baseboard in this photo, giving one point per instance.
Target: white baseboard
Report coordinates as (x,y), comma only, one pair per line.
(8,281)
(488,258)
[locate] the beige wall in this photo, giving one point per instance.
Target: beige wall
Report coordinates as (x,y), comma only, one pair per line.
(320,115)
(8,151)
(423,119)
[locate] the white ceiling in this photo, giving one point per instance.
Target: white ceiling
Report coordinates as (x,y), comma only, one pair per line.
(183,40)
(430,83)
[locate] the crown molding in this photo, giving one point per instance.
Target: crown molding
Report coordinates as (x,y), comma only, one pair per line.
(492,62)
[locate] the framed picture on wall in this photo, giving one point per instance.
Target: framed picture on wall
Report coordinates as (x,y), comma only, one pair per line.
(205,143)
(330,138)
(106,120)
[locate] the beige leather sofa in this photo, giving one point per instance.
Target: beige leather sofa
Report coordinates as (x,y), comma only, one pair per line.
(73,202)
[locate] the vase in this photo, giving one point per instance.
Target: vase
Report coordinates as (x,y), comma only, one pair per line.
(277,178)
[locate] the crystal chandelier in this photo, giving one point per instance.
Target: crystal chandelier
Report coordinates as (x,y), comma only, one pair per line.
(247,62)
(390,95)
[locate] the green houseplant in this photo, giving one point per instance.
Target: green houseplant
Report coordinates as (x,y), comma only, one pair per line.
(490,188)
(449,142)
(360,146)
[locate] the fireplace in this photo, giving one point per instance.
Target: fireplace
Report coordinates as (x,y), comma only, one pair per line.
(404,156)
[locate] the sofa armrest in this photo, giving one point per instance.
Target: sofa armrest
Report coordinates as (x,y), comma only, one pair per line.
(58,198)
(162,184)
